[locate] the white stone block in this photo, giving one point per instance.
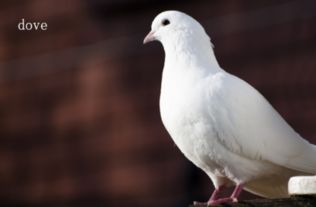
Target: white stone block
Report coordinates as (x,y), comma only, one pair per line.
(302,185)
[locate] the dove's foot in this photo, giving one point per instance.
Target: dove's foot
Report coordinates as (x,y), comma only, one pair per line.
(222,201)
(214,197)
(214,200)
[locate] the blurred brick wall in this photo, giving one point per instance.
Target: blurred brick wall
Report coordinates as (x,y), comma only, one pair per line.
(79,116)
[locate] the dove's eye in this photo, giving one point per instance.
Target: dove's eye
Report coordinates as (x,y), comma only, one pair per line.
(165,22)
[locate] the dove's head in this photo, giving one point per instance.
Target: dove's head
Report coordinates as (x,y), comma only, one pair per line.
(177,29)
(183,38)
(168,24)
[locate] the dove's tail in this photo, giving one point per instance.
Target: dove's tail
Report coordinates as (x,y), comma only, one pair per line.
(268,188)
(306,161)
(273,186)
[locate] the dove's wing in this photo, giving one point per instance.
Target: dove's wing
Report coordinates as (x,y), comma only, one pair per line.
(254,129)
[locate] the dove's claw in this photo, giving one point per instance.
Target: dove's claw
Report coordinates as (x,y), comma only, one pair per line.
(214,197)
(222,200)
(214,200)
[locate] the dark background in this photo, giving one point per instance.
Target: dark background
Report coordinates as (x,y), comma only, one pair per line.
(79,115)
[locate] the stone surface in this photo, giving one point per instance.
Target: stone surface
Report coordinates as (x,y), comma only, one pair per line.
(295,201)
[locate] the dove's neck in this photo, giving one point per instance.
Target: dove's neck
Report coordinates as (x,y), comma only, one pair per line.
(191,53)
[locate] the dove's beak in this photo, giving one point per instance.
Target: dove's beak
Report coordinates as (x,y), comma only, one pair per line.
(150,37)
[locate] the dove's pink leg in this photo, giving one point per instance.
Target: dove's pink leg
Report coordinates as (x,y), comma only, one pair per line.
(213,197)
(233,198)
(215,193)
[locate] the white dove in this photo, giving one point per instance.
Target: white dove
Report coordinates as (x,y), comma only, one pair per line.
(221,123)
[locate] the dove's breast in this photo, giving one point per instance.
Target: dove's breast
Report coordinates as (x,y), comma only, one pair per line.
(185,116)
